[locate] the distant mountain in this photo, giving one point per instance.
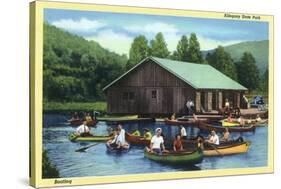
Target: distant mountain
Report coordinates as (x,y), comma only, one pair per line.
(259,50)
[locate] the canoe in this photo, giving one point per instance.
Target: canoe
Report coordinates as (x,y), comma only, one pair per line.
(248,122)
(226,149)
(136,140)
(72,137)
(209,127)
(178,122)
(117,150)
(237,146)
(78,122)
(176,158)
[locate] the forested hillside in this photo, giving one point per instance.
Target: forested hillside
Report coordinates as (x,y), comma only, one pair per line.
(76,69)
(259,50)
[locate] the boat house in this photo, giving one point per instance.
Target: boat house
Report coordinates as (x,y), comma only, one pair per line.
(158,86)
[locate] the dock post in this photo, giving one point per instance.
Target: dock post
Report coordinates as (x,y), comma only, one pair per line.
(197,102)
(219,100)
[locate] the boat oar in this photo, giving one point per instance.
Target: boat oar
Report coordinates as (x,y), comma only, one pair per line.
(83,149)
(215,148)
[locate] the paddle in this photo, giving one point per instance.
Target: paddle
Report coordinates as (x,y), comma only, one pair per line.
(83,149)
(215,148)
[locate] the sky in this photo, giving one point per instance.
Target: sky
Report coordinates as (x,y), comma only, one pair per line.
(116,31)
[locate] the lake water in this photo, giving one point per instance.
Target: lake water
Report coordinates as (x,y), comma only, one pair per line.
(97,162)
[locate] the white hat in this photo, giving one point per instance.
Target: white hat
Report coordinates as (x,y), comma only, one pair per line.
(158,129)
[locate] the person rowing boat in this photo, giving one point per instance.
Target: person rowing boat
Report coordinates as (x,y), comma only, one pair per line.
(83,130)
(183,132)
(136,133)
(226,135)
(177,144)
(157,143)
(214,138)
(118,142)
(147,134)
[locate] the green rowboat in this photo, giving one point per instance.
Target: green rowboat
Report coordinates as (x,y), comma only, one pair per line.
(72,137)
(176,158)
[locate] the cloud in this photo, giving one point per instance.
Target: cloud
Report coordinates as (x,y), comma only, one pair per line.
(114,41)
(208,43)
(82,25)
(153,28)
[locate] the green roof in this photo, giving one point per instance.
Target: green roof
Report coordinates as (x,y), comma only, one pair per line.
(199,76)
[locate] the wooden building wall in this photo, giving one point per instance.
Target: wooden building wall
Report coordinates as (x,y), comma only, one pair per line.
(172,93)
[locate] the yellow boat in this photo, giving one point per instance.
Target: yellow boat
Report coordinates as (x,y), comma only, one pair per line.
(227,149)
(226,123)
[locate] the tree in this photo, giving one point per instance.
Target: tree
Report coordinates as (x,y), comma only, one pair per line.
(194,53)
(138,51)
(247,71)
(182,49)
(158,46)
(222,61)
(264,81)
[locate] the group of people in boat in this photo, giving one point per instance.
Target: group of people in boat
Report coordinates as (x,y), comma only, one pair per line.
(86,116)
(146,134)
(243,121)
(118,140)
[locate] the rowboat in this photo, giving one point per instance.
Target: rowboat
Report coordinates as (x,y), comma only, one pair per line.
(176,158)
(226,149)
(136,140)
(74,138)
(179,122)
(209,127)
(77,122)
(117,150)
(226,123)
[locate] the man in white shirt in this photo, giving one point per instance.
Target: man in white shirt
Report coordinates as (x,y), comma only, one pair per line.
(214,139)
(183,132)
(188,106)
(157,142)
(83,130)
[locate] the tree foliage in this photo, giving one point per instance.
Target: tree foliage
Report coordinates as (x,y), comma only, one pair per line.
(222,61)
(76,69)
(182,53)
(247,71)
(158,46)
(194,52)
(138,51)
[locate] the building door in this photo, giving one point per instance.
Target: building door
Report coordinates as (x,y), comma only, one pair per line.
(152,98)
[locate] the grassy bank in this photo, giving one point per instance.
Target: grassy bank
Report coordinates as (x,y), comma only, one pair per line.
(59,107)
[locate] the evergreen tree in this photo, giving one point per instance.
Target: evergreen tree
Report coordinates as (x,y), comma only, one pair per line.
(247,71)
(138,51)
(222,61)
(158,46)
(194,53)
(182,49)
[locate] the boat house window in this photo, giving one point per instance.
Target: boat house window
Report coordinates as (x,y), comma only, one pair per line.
(128,95)
(153,94)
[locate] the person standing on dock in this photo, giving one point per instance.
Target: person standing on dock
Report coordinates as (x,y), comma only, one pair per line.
(190,107)
(183,132)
